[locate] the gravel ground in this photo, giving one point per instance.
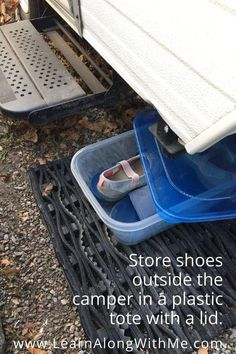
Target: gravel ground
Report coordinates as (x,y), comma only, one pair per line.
(35,301)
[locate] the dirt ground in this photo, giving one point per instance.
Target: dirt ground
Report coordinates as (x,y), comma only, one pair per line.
(35,301)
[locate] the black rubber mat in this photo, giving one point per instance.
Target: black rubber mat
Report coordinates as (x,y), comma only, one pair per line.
(94,263)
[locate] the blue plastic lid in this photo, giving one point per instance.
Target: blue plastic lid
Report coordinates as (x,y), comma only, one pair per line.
(189,188)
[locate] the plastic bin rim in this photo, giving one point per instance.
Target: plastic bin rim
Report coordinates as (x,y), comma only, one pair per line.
(117,225)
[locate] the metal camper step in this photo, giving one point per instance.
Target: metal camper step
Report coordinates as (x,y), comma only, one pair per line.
(35,84)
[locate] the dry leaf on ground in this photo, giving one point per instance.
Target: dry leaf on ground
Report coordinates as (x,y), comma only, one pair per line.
(7,10)
(47,188)
(4,178)
(11,5)
(31,135)
(38,336)
(24,332)
(32,325)
(15,301)
(5,262)
(29,327)
(111,125)
(42,161)
(102,126)
(49,157)
(10,271)
(23,215)
(91,125)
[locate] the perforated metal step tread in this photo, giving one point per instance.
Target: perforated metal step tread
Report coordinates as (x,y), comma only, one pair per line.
(31,75)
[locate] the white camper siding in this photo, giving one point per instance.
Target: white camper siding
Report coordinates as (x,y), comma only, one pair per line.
(180,55)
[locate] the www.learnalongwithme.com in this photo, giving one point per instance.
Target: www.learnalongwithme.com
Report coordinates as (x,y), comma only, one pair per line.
(127,346)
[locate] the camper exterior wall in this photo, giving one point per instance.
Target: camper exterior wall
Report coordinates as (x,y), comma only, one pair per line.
(175,55)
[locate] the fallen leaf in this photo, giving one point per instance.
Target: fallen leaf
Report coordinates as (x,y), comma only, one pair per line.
(23,215)
(49,157)
(7,18)
(4,178)
(5,262)
(10,271)
(42,161)
(12,5)
(31,325)
(47,188)
(15,175)
(31,135)
(15,301)
(88,125)
(98,127)
(24,332)
(103,125)
(38,336)
(111,125)
(7,10)
(203,351)
(81,57)
(36,351)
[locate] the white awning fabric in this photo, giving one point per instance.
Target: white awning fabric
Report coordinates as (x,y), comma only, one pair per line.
(180,55)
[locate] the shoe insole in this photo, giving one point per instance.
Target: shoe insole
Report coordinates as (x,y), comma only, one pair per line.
(124,211)
(121,175)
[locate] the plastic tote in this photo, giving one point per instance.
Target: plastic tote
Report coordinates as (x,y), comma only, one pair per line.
(189,188)
(93,159)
